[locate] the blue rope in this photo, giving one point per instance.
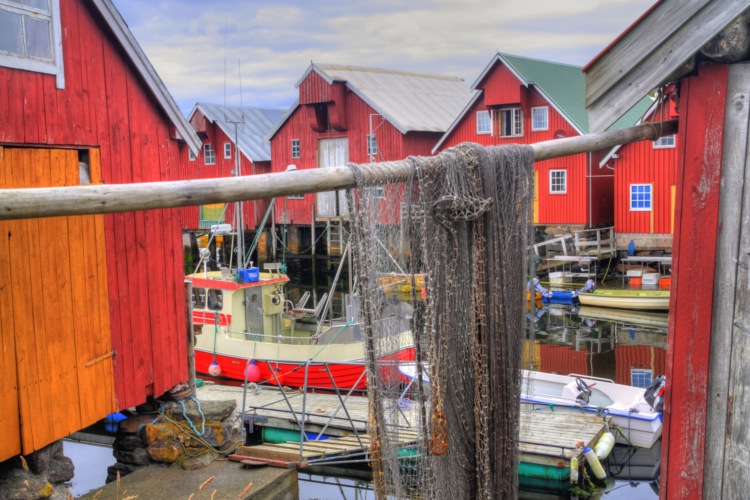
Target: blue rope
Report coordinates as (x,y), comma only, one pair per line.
(203,417)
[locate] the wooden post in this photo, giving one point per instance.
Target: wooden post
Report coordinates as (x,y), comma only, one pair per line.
(190,337)
(727,439)
(111,198)
(702,107)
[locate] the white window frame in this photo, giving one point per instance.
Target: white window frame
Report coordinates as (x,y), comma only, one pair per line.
(209,154)
(296,148)
(50,67)
(641,372)
(481,116)
(665,142)
(650,198)
(227,150)
(295,197)
(372,145)
(516,116)
(554,182)
(534,111)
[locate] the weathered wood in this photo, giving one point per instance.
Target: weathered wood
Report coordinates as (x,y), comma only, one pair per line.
(702,103)
(652,52)
(732,44)
(725,281)
(93,199)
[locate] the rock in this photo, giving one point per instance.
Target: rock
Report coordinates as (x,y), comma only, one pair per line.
(131,424)
(212,410)
(199,462)
(39,460)
(137,456)
(30,488)
(61,469)
(179,392)
(166,451)
(128,442)
(123,469)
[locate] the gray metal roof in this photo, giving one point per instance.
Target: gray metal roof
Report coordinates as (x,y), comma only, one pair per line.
(253,124)
(412,102)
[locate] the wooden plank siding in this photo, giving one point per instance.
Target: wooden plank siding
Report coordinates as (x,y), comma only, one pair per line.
(62,348)
(392,145)
(700,138)
(212,134)
(125,269)
(501,87)
(629,357)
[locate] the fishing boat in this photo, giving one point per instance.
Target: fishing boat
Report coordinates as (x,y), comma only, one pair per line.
(639,423)
(627,299)
(246,329)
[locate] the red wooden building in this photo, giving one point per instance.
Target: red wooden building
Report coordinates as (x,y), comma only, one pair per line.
(522,101)
(645,176)
(92,308)
(225,131)
(353,114)
(701,48)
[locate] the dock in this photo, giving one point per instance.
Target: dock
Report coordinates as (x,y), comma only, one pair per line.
(547,438)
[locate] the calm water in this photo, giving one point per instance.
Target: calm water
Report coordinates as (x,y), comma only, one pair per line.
(558,339)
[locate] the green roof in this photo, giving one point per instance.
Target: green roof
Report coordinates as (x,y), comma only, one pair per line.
(564,86)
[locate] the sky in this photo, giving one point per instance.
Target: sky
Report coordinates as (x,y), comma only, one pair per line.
(253,52)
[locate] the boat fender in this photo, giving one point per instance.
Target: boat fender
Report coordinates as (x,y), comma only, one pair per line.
(654,395)
(574,470)
(594,463)
(604,445)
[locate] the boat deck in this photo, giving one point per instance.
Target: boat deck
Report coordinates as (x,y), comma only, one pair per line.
(546,438)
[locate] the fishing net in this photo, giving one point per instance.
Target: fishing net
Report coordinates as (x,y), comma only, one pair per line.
(443,253)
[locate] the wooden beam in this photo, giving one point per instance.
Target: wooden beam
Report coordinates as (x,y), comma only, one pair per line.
(98,199)
(729,374)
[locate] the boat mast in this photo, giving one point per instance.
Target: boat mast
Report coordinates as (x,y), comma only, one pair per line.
(239,216)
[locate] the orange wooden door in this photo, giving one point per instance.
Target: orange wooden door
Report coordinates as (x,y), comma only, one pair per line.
(55,305)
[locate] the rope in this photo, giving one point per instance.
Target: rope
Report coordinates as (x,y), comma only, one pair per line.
(203,417)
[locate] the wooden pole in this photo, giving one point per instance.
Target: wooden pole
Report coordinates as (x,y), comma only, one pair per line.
(96,199)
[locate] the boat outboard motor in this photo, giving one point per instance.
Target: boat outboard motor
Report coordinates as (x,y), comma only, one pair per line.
(654,395)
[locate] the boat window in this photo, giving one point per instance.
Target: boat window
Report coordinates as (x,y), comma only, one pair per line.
(215,299)
(199,298)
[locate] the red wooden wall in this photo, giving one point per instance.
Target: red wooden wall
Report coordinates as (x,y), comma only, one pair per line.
(106,105)
(501,87)
(642,163)
(392,144)
(638,356)
(700,139)
(223,167)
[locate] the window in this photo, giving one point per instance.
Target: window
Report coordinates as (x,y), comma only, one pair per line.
(211,215)
(199,298)
(539,118)
(666,141)
(484,124)
(209,155)
(227,150)
(510,121)
(30,37)
(372,145)
(641,378)
(191,155)
(640,197)
(295,148)
(296,197)
(558,181)
(215,299)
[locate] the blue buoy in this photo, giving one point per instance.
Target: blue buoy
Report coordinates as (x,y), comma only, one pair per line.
(112,422)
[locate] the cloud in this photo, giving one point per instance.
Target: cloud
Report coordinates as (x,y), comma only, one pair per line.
(197,47)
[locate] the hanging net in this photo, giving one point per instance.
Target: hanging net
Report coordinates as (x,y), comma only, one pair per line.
(443,254)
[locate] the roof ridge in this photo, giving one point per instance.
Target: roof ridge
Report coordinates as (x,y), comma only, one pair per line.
(239,107)
(535,59)
(366,69)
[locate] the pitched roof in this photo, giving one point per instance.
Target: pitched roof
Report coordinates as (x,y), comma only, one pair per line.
(122,34)
(411,102)
(653,50)
(562,85)
(252,126)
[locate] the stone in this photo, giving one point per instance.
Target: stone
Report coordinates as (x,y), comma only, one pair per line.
(137,456)
(200,462)
(128,442)
(166,451)
(61,469)
(123,469)
(131,424)
(212,410)
(39,460)
(179,392)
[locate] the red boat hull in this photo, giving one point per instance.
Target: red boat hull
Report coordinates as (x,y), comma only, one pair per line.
(346,375)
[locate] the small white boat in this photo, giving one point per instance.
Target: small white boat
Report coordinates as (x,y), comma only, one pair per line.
(640,424)
(627,299)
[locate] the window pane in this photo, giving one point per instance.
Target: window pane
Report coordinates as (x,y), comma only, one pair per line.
(36,4)
(10,33)
(38,43)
